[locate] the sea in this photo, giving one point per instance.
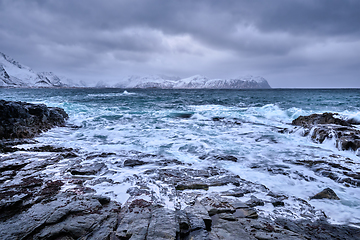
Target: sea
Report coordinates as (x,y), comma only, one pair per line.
(254,126)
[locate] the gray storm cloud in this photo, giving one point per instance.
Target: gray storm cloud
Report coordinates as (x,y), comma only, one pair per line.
(307,43)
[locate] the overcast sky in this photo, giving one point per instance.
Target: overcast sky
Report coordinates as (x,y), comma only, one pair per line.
(291,43)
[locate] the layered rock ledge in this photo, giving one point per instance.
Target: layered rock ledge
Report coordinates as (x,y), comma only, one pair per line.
(26,120)
(38,204)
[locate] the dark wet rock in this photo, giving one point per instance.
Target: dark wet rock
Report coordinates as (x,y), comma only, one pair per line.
(328,126)
(354,175)
(19,197)
(163,224)
(194,222)
(327,193)
(79,216)
(167,162)
(216,119)
(80,190)
(26,120)
(217,205)
(138,204)
(49,148)
(6,166)
(347,138)
(192,186)
(245,213)
(283,130)
(351,142)
(187,178)
(231,230)
(226,158)
(67,215)
(72,126)
(254,201)
(353,121)
(227,216)
(33,207)
(199,218)
(135,191)
(7,149)
(220,158)
(179,179)
(278,204)
(278,170)
(38,166)
(203,157)
(235,192)
(333,170)
(237,204)
(233,121)
(140,219)
(315,119)
(87,169)
(182,115)
(133,163)
(184,225)
(319,229)
(285,170)
(102,199)
(133,224)
(9,145)
(94,182)
(51,188)
(69,155)
(101,155)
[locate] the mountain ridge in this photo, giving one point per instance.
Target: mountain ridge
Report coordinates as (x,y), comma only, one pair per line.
(194,82)
(16,75)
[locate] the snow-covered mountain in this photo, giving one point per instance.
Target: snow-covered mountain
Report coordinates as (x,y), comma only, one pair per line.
(194,82)
(14,74)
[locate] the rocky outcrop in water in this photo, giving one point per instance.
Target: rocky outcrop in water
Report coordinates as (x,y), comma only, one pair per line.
(26,120)
(327,193)
(330,126)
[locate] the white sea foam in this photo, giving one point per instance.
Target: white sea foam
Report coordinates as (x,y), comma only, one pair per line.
(125,93)
(247,131)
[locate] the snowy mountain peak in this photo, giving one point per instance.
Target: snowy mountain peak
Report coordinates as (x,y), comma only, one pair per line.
(13,62)
(197,81)
(14,74)
(257,79)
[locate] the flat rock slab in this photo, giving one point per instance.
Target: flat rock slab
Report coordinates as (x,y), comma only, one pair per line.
(67,215)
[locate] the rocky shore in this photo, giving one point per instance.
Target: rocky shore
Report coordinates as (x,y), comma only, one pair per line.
(330,126)
(49,192)
(26,120)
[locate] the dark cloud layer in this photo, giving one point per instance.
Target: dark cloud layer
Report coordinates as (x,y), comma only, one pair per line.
(299,43)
